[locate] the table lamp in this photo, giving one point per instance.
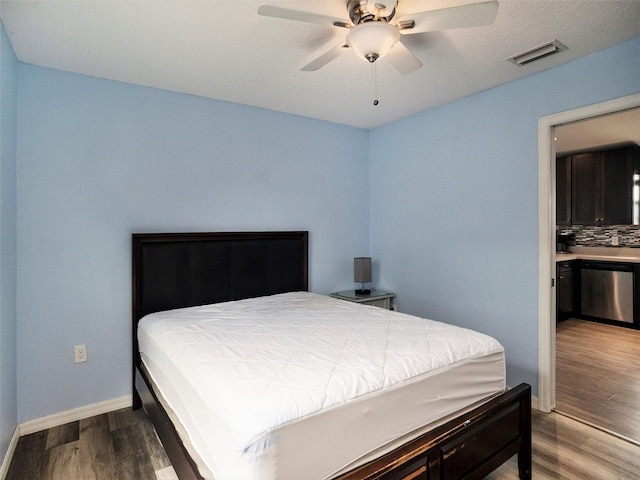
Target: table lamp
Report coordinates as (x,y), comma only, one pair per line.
(362,273)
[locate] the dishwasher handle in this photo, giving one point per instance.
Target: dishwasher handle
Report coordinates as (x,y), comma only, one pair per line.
(609,266)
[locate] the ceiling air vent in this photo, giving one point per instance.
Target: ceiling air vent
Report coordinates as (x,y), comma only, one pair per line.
(538,53)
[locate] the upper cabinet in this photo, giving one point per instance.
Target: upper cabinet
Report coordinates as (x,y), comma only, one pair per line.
(595,187)
(563,191)
(618,170)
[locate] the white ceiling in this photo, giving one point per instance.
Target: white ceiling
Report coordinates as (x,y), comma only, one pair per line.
(225,50)
(598,132)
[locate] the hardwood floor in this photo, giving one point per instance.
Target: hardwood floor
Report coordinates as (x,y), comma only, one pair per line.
(598,375)
(119,445)
(564,449)
(123,445)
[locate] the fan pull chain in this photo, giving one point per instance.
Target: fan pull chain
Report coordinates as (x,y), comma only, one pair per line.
(374,74)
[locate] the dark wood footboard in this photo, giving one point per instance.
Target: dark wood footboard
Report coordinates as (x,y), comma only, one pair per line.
(470,446)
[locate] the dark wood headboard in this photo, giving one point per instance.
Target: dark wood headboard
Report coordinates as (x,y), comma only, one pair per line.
(176,270)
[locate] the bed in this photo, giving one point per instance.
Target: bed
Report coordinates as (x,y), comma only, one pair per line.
(183,283)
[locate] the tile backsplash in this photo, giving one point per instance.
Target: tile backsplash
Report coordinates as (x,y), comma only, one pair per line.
(590,236)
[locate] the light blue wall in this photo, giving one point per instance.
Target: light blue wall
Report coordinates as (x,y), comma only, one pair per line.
(8,251)
(453,193)
(454,200)
(99,160)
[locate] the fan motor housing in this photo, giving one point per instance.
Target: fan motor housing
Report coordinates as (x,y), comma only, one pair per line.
(361,11)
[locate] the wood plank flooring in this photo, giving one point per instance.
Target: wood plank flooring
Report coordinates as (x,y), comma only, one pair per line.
(598,375)
(564,449)
(123,445)
(120,445)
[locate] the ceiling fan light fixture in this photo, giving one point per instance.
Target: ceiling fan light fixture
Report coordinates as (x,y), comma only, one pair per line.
(372,40)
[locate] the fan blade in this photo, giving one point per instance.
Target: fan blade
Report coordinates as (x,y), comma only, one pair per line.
(402,59)
(474,15)
(300,16)
(325,58)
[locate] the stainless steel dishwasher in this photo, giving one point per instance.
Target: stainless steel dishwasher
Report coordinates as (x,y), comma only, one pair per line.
(607,290)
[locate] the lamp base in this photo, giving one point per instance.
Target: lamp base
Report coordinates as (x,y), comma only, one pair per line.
(363,291)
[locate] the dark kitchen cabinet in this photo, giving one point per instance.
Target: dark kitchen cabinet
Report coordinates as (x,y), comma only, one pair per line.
(564,290)
(618,186)
(563,191)
(602,187)
(585,182)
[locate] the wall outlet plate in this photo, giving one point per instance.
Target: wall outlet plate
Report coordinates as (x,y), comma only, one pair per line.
(80,353)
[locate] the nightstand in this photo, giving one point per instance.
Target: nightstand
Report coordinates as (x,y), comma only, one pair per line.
(377,298)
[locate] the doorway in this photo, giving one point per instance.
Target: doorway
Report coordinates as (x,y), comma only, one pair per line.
(598,365)
(546,400)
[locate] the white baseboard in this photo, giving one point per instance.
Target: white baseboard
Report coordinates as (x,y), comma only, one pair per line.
(4,468)
(74,414)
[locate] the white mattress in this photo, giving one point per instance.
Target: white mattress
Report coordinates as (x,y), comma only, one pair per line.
(301,385)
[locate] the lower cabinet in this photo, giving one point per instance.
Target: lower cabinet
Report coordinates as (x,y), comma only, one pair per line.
(565,290)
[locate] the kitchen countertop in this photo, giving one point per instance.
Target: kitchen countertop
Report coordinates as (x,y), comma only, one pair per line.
(611,254)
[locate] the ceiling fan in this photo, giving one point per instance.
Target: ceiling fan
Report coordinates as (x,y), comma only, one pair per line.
(374,30)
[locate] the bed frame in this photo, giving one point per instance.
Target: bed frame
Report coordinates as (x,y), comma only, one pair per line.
(189,269)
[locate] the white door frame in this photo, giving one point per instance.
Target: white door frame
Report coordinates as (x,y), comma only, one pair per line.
(546,238)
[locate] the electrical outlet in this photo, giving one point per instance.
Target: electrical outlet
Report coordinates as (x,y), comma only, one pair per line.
(80,353)
(614,240)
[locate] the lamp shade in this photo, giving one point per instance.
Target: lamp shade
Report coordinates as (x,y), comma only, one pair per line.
(372,40)
(362,269)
